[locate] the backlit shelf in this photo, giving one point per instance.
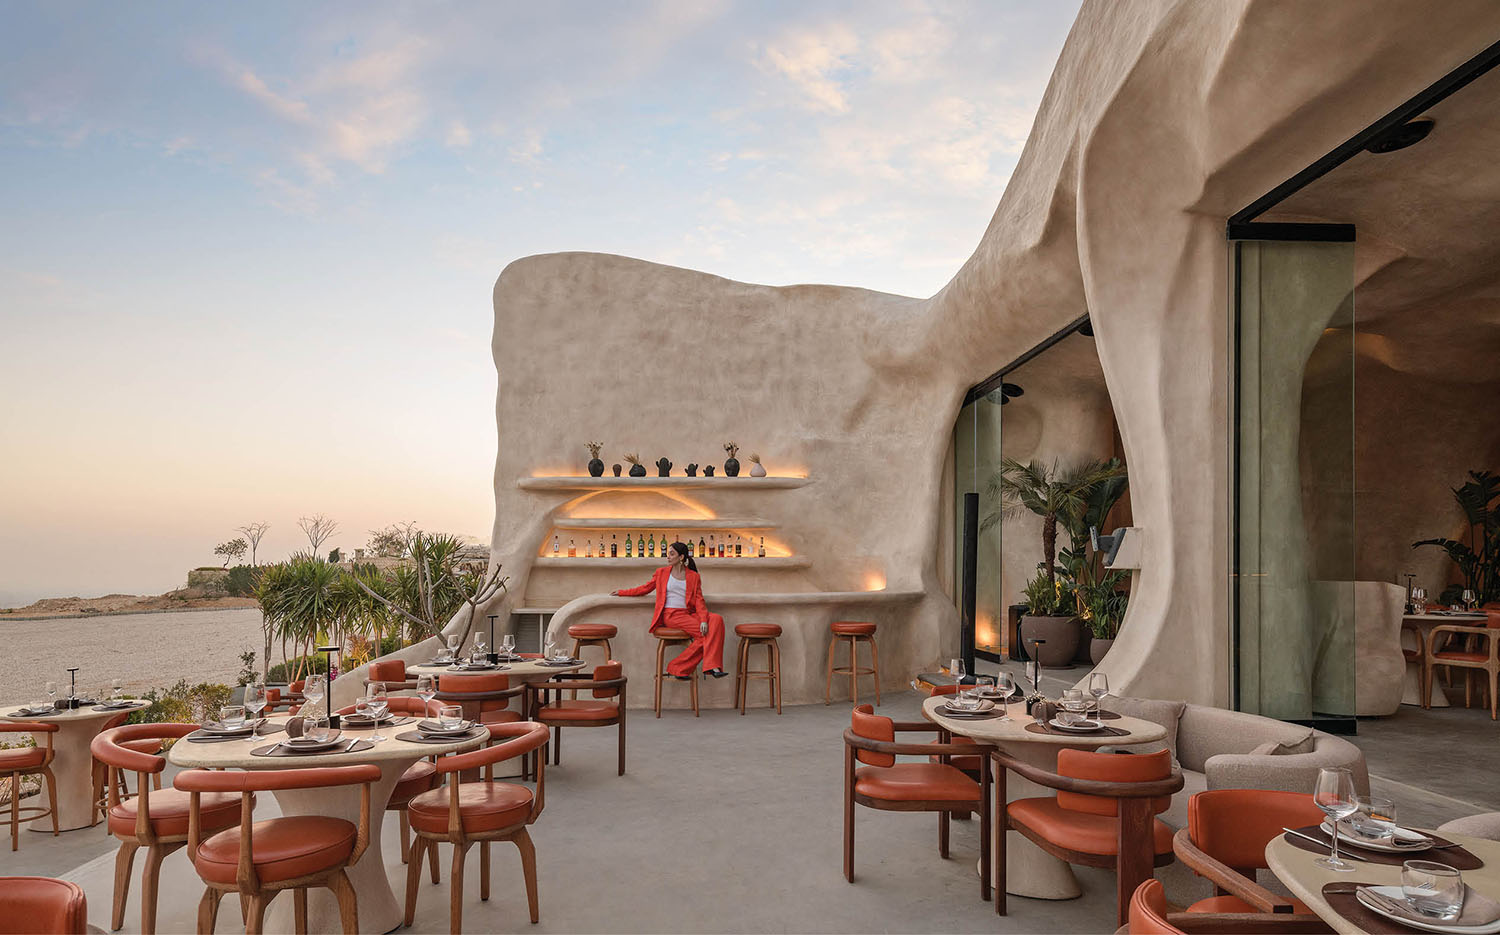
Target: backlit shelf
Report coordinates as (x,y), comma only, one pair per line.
(742,482)
(666,525)
(704,564)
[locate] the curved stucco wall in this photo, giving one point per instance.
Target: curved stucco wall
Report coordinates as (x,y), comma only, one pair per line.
(1160,121)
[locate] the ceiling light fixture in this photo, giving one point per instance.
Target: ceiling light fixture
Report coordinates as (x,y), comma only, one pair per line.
(1408,134)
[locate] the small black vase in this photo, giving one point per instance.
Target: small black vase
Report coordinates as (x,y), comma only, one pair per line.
(732,467)
(708,471)
(617,470)
(692,470)
(637,470)
(596,468)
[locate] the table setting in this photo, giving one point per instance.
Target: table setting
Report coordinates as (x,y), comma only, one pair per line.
(449,726)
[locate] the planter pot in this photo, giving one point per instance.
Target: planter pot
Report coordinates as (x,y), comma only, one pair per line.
(637,470)
(757,469)
(596,468)
(732,467)
(1061,635)
(1097,649)
(617,470)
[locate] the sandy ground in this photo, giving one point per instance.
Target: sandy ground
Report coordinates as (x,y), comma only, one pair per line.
(181,599)
(142,650)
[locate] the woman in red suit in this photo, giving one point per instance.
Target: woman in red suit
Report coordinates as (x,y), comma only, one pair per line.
(680,605)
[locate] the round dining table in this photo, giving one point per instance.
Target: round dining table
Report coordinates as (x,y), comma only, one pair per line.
(524,670)
(1029,870)
(379,909)
(72,763)
(1299,871)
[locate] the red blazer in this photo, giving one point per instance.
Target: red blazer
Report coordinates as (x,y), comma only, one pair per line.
(658,583)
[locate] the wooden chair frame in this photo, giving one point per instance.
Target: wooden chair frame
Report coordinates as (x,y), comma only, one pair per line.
(945,808)
(470,701)
(1490,667)
(581,641)
(1135,858)
(661,666)
(19,813)
(772,673)
(1275,913)
(427,843)
(539,696)
(248,884)
(854,670)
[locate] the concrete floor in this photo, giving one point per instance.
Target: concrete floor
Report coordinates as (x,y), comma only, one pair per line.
(732,824)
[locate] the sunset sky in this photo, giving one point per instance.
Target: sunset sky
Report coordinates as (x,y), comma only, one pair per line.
(248,249)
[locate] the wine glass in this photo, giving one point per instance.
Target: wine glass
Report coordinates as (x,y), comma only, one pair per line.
(1334,794)
(549,649)
(1099,688)
(426,690)
(479,644)
(114,690)
(378,701)
(1468,599)
(1006,686)
(313,691)
(453,640)
(52,694)
(255,700)
(508,644)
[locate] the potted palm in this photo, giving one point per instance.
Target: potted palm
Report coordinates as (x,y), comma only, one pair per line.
(1102,607)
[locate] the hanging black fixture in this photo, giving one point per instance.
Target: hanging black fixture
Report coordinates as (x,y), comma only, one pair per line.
(1087,328)
(1407,134)
(1006,393)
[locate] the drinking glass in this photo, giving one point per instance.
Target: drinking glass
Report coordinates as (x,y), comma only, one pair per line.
(1334,794)
(508,644)
(232,716)
(1099,688)
(317,729)
(52,694)
(1006,686)
(450,716)
(313,691)
(1434,890)
(1468,599)
(550,649)
(1374,816)
(255,699)
(114,690)
(453,641)
(378,702)
(479,643)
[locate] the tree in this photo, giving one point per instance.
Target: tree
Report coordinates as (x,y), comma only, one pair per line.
(318,528)
(254,532)
(232,550)
(435,586)
(1050,491)
(392,541)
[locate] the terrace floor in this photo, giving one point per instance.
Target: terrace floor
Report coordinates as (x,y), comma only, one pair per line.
(722,824)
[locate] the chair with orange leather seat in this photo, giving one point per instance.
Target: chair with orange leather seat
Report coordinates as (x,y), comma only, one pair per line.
(418,778)
(1151,914)
(606,709)
(1148,911)
(154,818)
(392,672)
(291,698)
(260,859)
(1225,842)
(969,762)
(1480,651)
(1102,816)
(28,761)
(42,906)
(463,813)
(485,696)
(882,783)
(149,745)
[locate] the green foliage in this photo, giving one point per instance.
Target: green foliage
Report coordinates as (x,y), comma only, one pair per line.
(247,668)
(233,550)
(1064,496)
(1052,597)
(240,582)
(1478,560)
(183,704)
(1102,604)
(303,666)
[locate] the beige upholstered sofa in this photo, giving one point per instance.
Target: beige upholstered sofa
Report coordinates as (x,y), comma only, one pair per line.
(1221,749)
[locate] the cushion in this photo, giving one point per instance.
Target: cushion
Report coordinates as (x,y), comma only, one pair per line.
(21,758)
(1079,831)
(1192,782)
(483,806)
(169,812)
(908,782)
(1157,711)
(578,711)
(281,848)
(763,630)
(1284,748)
(593,631)
(852,628)
(1206,731)
(417,779)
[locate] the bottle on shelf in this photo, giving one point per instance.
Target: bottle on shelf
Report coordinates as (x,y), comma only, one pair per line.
(572,549)
(702,549)
(663,545)
(588,548)
(762,552)
(614,546)
(721,548)
(652,553)
(738,548)
(690,546)
(627,545)
(554,546)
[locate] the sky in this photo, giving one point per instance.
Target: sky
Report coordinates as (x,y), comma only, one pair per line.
(248,249)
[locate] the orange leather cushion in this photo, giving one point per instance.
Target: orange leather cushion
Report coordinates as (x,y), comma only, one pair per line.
(670,633)
(607,673)
(386,670)
(1462,657)
(1079,831)
(1111,767)
(908,782)
(1148,911)
(41,904)
(852,628)
(282,848)
(483,806)
(969,764)
(488,682)
(22,758)
(150,746)
(499,717)
(169,812)
(871,726)
(418,778)
(758,629)
(1234,826)
(1234,904)
(593,631)
(578,711)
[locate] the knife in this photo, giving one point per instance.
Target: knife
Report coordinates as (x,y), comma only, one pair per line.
(351,744)
(1308,837)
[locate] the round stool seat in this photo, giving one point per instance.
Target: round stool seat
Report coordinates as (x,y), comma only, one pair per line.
(593,631)
(762,630)
(853,628)
(670,633)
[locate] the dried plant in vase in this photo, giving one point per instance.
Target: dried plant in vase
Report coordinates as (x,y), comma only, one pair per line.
(596,467)
(637,469)
(732,466)
(756,468)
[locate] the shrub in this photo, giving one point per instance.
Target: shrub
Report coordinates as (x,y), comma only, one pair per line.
(183,704)
(280,671)
(240,582)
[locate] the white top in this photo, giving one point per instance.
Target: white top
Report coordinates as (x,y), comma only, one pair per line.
(676,592)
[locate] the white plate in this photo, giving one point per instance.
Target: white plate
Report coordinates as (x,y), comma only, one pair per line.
(1348,836)
(432,727)
(1449,928)
(1083,727)
(302,743)
(949,708)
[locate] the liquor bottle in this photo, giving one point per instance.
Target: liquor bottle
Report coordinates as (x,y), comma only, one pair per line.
(627,545)
(702,549)
(588,548)
(554,547)
(710,546)
(738,549)
(601,546)
(721,550)
(663,545)
(572,550)
(652,553)
(614,546)
(690,548)
(762,553)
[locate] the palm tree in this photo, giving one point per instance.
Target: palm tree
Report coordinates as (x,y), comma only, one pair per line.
(1051,491)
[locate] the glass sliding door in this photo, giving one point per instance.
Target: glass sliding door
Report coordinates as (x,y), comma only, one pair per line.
(1293,516)
(976,458)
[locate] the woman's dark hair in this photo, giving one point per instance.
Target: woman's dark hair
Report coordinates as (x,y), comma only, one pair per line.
(681,549)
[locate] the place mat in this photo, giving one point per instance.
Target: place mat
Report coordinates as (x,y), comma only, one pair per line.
(1459,858)
(1037,727)
(199,736)
(279,750)
(1342,899)
(50,712)
(413,736)
(129,706)
(560,663)
(353,722)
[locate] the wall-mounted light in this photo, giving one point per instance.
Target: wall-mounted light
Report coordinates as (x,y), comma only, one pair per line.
(1407,134)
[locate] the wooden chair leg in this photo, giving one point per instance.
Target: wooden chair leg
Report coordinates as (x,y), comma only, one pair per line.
(405,837)
(124,861)
(828,686)
(849,813)
(875,664)
(255,916)
(620,741)
(208,910)
(1426,684)
(15,811)
(693,690)
(943,835)
(432,859)
(456,889)
(1134,863)
(150,883)
(484,866)
(51,797)
(999,826)
(413,878)
(776,650)
(661,657)
(528,870)
(343,891)
(739,675)
(853,671)
(299,909)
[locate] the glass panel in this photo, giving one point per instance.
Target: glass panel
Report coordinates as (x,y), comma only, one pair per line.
(976,456)
(1294,512)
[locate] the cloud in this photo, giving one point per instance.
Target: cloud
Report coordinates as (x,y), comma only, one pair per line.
(815,62)
(459,135)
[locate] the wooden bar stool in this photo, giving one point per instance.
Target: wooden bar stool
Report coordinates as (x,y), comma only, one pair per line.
(592,634)
(764,634)
(855,632)
(665,636)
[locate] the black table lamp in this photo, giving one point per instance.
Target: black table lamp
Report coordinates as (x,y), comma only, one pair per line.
(494,650)
(328,689)
(72,687)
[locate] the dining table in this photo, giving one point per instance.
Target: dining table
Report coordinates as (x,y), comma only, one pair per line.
(379,909)
(1421,624)
(1029,870)
(523,670)
(1297,868)
(72,763)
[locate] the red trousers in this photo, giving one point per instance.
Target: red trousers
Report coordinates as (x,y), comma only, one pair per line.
(706,646)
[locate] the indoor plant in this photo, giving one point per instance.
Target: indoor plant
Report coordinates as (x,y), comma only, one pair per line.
(1478,560)
(1050,617)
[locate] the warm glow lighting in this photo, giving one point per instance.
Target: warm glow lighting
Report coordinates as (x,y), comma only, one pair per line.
(628,509)
(556,472)
(874,581)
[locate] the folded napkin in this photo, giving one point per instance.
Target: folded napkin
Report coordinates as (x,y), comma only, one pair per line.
(1478,910)
(434,727)
(305,741)
(1402,837)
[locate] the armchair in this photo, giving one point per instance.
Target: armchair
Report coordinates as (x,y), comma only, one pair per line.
(1481,652)
(606,709)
